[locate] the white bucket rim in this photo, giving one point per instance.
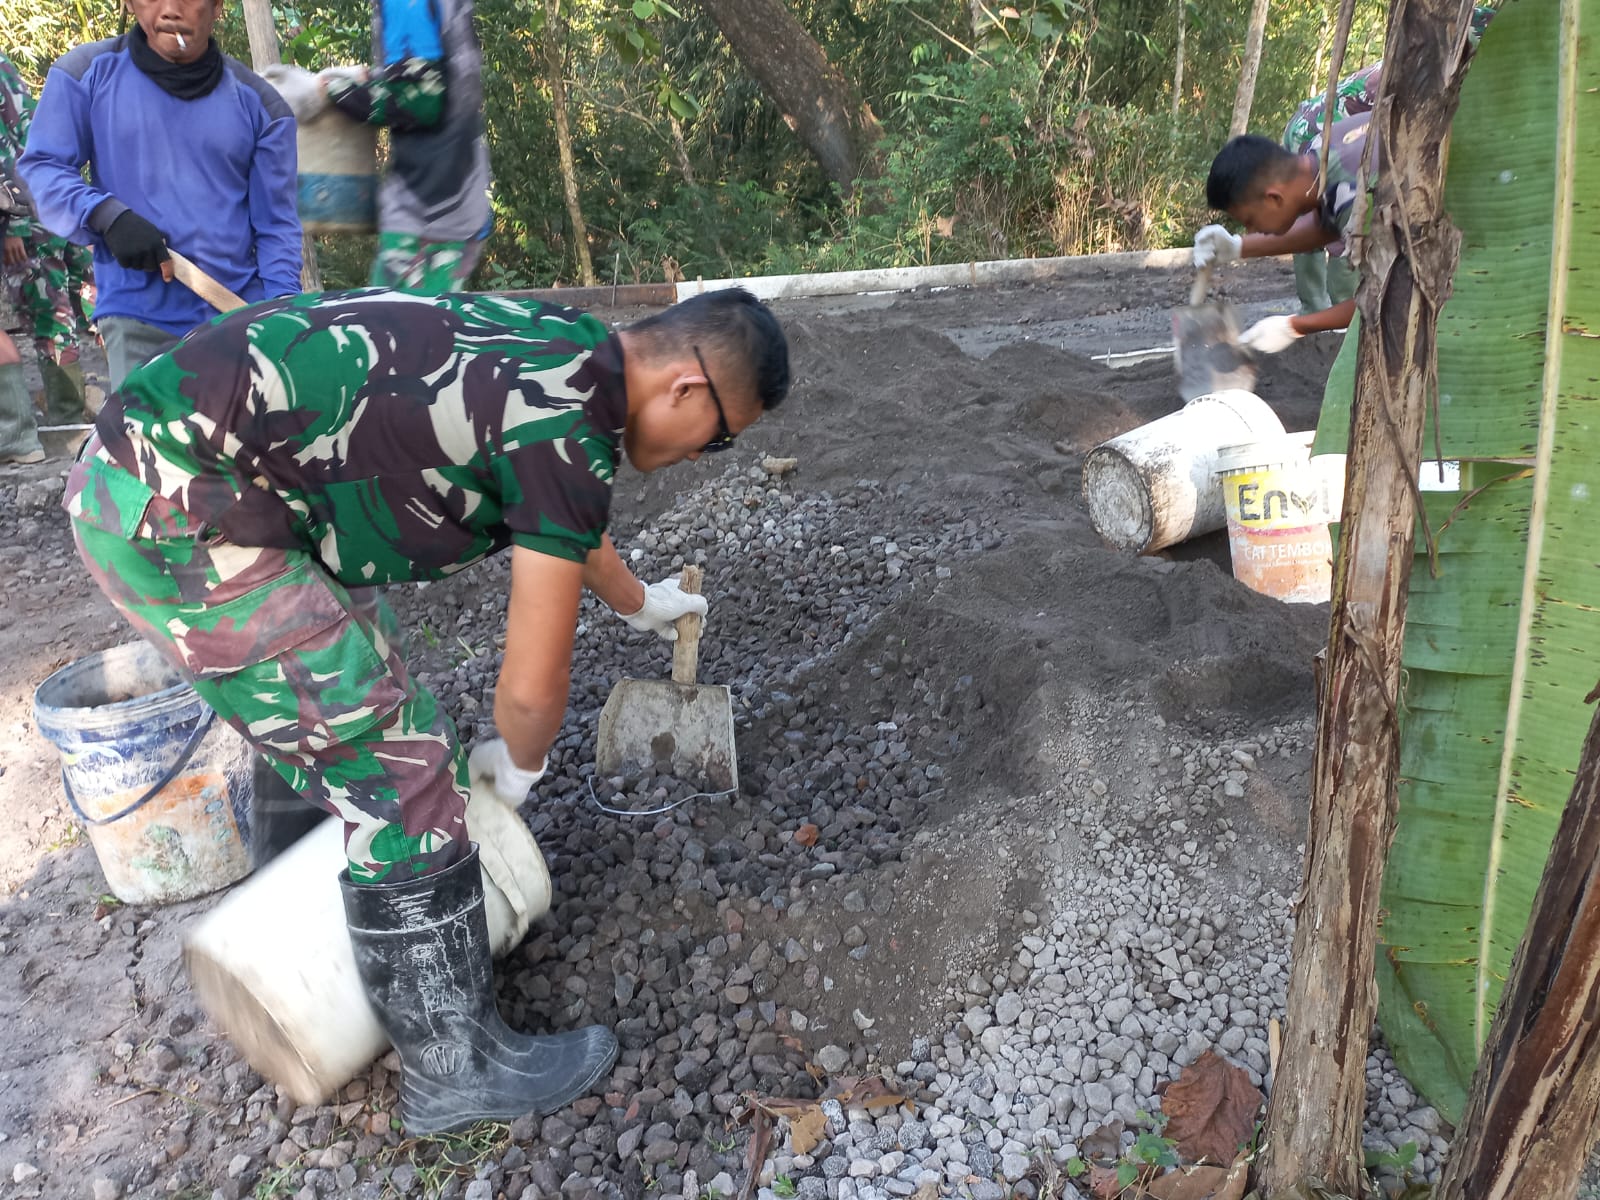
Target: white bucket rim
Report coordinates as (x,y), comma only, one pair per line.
(1291,449)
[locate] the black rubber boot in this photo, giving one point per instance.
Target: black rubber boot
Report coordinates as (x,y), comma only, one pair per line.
(422,949)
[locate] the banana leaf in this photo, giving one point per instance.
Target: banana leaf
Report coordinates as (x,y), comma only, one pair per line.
(1503,641)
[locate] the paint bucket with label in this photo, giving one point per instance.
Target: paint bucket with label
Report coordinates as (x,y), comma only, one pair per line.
(161,785)
(1278,508)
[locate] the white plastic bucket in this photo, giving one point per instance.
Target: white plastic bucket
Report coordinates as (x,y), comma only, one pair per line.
(1156,486)
(161,785)
(1278,507)
(272,963)
(338,166)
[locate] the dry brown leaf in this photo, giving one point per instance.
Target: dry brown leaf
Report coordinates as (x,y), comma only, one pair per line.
(806,835)
(1233,1187)
(1187,1183)
(1103,1183)
(869,1091)
(1211,1110)
(808,1124)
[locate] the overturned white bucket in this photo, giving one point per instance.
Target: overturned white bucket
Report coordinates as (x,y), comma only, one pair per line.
(1156,486)
(272,963)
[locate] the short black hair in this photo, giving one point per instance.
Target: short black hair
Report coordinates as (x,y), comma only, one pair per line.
(730,325)
(1245,166)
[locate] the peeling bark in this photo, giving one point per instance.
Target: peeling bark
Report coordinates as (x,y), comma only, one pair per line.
(1407,258)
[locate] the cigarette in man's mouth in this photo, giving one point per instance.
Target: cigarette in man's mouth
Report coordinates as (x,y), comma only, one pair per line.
(182,45)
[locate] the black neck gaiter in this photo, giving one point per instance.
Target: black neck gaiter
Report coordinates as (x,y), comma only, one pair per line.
(186,81)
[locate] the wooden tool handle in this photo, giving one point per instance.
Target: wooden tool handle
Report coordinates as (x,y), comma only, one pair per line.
(686,650)
(1201,286)
(201,284)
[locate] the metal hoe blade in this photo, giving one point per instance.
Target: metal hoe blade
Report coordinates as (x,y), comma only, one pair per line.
(686,731)
(677,726)
(1206,336)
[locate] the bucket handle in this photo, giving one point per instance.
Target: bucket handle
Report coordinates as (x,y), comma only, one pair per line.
(171,773)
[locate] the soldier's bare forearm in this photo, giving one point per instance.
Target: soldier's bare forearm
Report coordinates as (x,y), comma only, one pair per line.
(608,577)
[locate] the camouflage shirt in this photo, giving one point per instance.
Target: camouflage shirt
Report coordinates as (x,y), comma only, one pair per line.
(1356,94)
(16,112)
(395,436)
(1344,180)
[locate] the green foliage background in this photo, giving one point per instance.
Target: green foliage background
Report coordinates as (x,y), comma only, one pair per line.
(1048,131)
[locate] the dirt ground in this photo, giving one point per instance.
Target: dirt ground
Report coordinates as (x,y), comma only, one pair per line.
(1075,659)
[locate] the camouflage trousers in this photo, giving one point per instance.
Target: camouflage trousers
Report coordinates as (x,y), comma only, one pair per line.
(415,264)
(289,658)
(45,290)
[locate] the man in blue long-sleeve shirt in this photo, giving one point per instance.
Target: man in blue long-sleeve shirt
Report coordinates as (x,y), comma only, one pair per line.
(186,147)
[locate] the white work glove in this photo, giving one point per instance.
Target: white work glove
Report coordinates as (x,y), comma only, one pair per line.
(332,75)
(1214,245)
(664,603)
(299,88)
(1270,335)
(491,762)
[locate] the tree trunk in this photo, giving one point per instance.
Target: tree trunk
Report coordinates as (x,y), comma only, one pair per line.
(554,37)
(823,110)
(1246,95)
(1407,258)
(1177,63)
(1536,1093)
(263,37)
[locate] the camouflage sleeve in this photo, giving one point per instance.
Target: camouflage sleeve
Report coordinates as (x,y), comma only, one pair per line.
(553,501)
(406,97)
(16,111)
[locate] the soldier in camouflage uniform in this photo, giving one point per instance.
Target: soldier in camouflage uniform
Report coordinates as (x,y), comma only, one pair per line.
(427,90)
(1287,207)
(242,485)
(1324,278)
(36,263)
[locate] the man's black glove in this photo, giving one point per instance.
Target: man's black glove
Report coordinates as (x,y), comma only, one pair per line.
(135,243)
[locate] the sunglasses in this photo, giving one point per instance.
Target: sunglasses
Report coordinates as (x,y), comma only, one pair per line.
(724,438)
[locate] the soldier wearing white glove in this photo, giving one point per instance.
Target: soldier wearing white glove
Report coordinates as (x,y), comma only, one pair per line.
(1270,335)
(1214,245)
(664,603)
(1285,206)
(490,762)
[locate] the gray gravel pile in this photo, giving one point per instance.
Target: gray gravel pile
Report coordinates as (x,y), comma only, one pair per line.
(673,927)
(1141,969)
(794,580)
